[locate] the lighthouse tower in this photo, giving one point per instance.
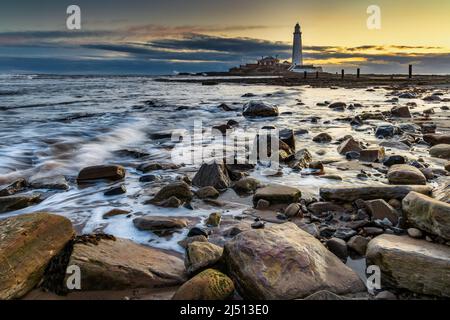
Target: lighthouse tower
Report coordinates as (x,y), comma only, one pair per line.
(297,56)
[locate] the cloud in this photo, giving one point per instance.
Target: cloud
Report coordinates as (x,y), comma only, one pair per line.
(115,51)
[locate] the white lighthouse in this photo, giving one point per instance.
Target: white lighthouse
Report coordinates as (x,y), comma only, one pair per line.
(297,56)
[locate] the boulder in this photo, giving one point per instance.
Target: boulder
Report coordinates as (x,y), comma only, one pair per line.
(415,233)
(102,172)
(416,265)
(285,262)
(371,155)
(405,174)
(200,255)
(207,285)
(287,136)
(115,191)
(386,192)
(349,145)
(213,219)
(16,202)
(302,159)
(160,223)
(259,109)
(207,192)
(185,242)
(338,247)
(114,212)
(386,131)
(52,183)
(122,264)
(180,190)
(212,174)
(358,244)
(401,112)
(380,209)
(15,187)
(337,106)
(293,210)
(434,139)
(440,151)
(276,194)
(427,214)
(27,244)
(391,160)
(447,166)
(322,138)
(153,166)
(246,185)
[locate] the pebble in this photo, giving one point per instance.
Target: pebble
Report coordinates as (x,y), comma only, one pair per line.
(415,233)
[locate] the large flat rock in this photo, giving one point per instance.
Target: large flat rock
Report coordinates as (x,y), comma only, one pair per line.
(416,265)
(27,244)
(123,264)
(285,262)
(277,194)
(428,214)
(387,192)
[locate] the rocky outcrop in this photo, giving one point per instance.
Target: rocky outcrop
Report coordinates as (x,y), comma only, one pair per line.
(276,194)
(210,284)
(405,174)
(16,202)
(428,214)
(259,109)
(200,255)
(27,244)
(352,193)
(416,265)
(284,262)
(122,264)
(212,174)
(102,172)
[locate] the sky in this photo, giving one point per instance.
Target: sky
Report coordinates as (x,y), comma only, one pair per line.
(165,37)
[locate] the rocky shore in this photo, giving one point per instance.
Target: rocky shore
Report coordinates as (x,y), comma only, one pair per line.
(285,242)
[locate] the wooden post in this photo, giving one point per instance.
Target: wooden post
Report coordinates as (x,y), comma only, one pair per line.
(342,74)
(410,71)
(317,74)
(304,75)
(358,72)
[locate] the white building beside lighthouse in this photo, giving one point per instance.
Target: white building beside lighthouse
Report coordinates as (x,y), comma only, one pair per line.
(297,54)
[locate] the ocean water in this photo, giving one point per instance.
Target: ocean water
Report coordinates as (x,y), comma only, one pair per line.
(56,125)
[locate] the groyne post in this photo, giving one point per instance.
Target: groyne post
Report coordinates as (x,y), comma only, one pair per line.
(358,73)
(410,71)
(342,74)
